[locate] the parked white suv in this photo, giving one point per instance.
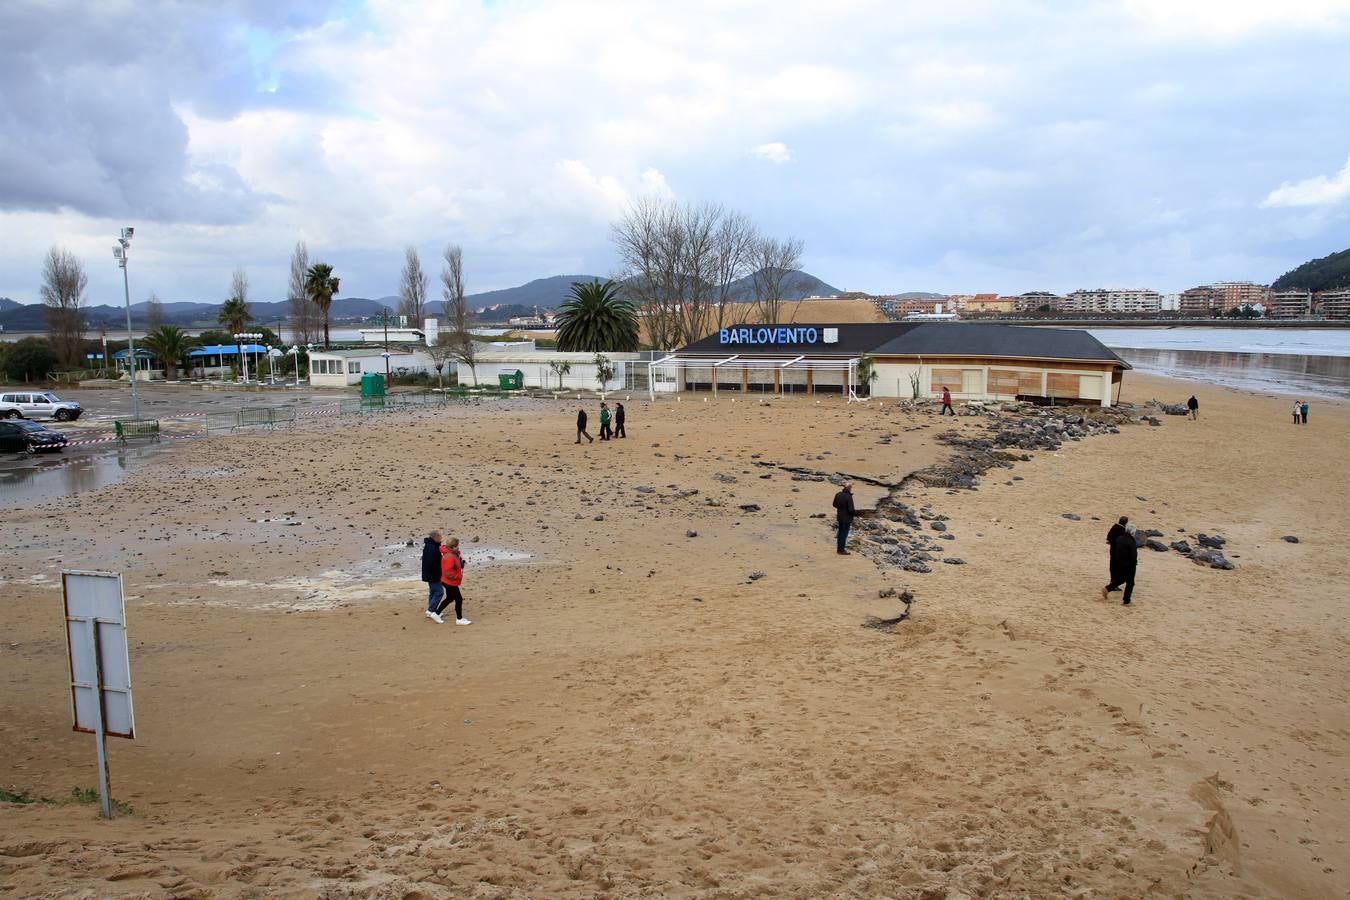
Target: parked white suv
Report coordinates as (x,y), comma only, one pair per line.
(38,404)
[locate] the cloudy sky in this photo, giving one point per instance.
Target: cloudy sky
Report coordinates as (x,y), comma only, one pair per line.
(967,146)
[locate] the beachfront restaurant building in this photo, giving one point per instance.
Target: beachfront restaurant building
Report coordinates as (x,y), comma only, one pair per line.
(975,361)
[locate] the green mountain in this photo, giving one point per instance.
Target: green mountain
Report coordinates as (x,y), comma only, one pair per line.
(1317,275)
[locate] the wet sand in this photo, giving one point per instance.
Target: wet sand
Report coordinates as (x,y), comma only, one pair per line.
(631,713)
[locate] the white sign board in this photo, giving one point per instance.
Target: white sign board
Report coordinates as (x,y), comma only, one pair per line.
(100,667)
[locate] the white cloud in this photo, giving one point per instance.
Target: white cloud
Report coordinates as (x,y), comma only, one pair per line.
(774,151)
(1319,191)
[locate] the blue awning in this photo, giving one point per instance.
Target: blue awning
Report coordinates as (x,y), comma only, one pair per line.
(227,350)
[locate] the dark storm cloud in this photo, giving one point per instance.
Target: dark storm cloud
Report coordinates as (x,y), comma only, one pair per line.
(87,117)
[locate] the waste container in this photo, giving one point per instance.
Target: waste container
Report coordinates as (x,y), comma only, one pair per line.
(372,385)
(510,379)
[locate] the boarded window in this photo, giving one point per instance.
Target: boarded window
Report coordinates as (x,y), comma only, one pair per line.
(1030,384)
(1004,383)
(971,381)
(1063,384)
(948,378)
(1090,387)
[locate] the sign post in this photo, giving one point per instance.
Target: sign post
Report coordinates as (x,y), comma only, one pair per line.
(100,666)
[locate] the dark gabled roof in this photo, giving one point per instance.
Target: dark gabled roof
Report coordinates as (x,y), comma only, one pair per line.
(933,339)
(853,340)
(979,339)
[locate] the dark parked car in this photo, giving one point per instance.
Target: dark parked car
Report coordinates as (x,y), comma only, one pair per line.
(16,437)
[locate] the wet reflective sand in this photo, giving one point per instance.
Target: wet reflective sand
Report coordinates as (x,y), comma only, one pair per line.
(1312,376)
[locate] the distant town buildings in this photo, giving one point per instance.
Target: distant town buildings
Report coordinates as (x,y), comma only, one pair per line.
(1101,300)
(1290,304)
(1334,304)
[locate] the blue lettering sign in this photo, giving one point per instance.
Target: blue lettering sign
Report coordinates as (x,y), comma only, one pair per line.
(764,334)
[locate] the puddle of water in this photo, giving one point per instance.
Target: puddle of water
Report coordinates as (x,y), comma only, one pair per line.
(24,480)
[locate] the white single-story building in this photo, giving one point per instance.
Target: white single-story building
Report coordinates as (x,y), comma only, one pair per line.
(344,368)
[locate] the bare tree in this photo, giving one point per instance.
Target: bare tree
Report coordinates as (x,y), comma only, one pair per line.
(63,284)
(457,313)
(304,315)
(774,261)
(239,285)
(154,312)
(680,265)
(441,351)
(412,288)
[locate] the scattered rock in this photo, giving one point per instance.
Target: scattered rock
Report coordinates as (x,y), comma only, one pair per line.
(1152,544)
(750,507)
(953,560)
(938,526)
(886,592)
(646,489)
(1213,541)
(1072,517)
(600,517)
(1290,538)
(1181,547)
(691,533)
(756,575)
(1206,556)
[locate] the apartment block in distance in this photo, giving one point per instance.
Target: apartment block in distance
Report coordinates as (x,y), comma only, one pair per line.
(1032,301)
(1234,294)
(1334,304)
(1117,301)
(1201,301)
(1289,304)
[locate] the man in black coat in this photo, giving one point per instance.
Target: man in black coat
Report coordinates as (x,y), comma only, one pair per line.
(843,505)
(581,426)
(1194,406)
(431,573)
(1124,560)
(1117,529)
(618,421)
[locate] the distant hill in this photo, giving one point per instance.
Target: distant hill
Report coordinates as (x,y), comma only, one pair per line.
(919,295)
(8,304)
(1317,275)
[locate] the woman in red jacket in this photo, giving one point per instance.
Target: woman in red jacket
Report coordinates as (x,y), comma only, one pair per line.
(452,575)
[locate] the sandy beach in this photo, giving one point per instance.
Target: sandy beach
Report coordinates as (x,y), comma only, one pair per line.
(632,714)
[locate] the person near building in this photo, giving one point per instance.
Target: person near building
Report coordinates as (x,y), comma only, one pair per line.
(946,402)
(1194,406)
(1303,410)
(618,421)
(431,574)
(605,431)
(844,512)
(1124,561)
(452,576)
(581,426)
(1298,411)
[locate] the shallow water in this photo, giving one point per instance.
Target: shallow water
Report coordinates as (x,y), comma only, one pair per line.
(1287,375)
(26,480)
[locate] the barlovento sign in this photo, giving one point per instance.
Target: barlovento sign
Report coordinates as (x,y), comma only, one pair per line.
(762,335)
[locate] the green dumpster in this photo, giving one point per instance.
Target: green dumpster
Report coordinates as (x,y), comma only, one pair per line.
(372,385)
(510,379)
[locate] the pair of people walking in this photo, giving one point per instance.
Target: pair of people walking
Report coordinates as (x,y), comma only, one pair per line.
(443,571)
(607,416)
(1301,412)
(1124,558)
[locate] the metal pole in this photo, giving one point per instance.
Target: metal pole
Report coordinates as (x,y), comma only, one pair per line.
(131,344)
(104,795)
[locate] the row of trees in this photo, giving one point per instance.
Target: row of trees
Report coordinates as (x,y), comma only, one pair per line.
(681,262)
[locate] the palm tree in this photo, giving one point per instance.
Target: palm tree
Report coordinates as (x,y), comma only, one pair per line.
(170,344)
(321,284)
(234,315)
(595,319)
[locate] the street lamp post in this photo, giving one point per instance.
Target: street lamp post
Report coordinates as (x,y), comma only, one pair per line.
(386,354)
(120,253)
(295,361)
(239,339)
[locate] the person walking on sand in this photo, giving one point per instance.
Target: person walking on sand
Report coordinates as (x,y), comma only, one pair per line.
(452,575)
(1194,406)
(581,426)
(605,431)
(1117,529)
(1303,408)
(1298,411)
(431,574)
(946,402)
(844,511)
(618,421)
(1124,560)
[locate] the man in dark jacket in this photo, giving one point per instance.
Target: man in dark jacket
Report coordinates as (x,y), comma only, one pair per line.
(1194,406)
(431,573)
(843,504)
(1124,560)
(618,421)
(1117,529)
(581,426)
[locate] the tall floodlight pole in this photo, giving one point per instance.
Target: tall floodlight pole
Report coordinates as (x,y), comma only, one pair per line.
(120,253)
